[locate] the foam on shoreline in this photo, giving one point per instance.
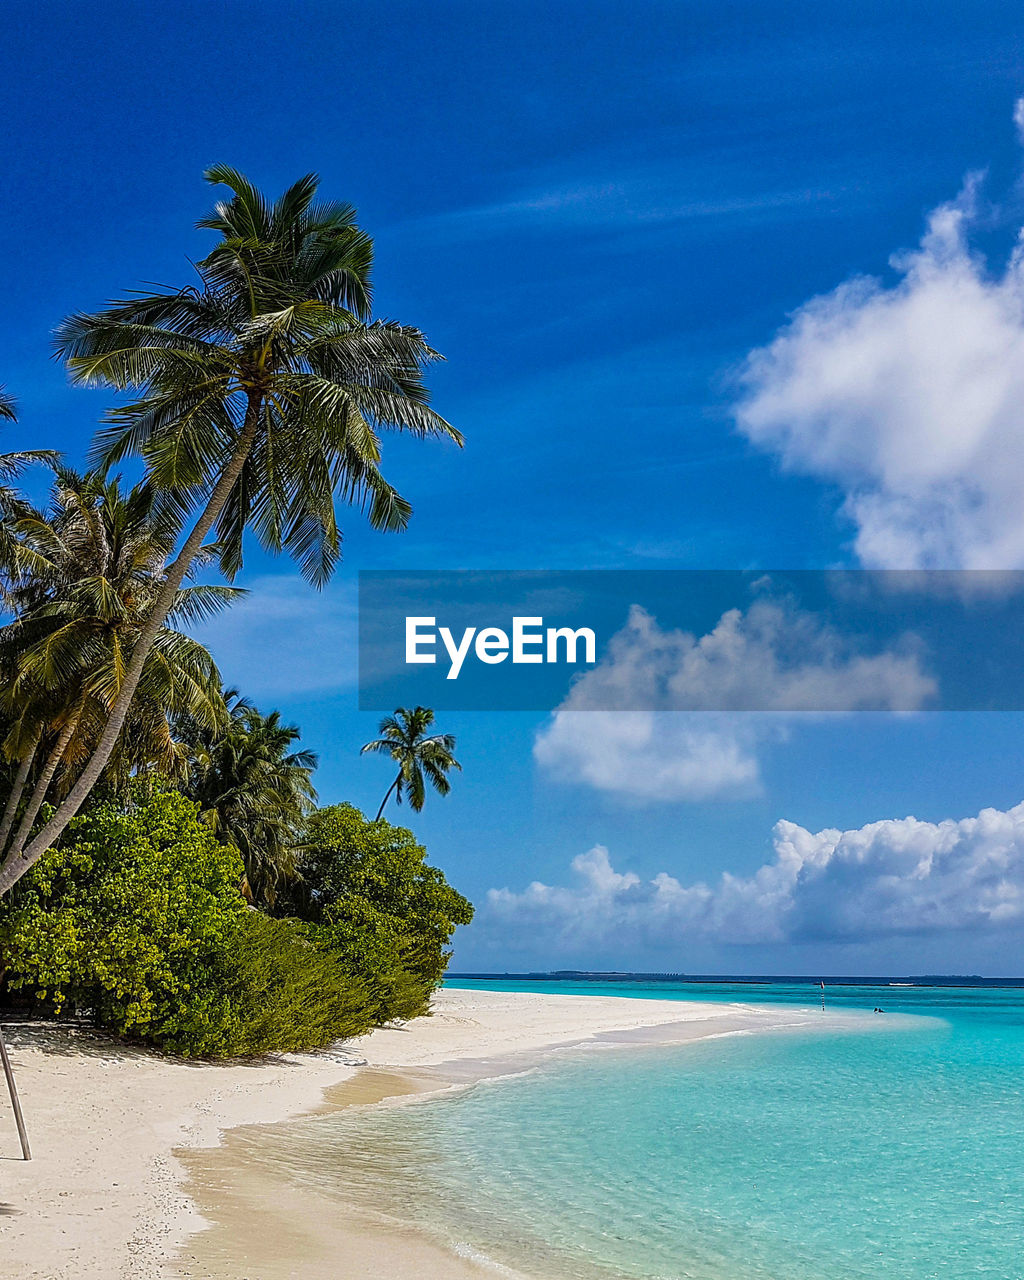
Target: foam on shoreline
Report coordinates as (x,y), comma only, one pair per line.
(310,1231)
(113,1129)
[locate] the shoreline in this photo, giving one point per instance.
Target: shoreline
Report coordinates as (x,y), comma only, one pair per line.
(305,1231)
(121,1136)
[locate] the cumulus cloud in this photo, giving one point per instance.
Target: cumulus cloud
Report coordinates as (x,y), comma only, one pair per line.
(689,740)
(770,656)
(656,755)
(910,397)
(897,877)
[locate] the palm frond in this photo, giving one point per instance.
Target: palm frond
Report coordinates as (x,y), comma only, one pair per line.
(280,319)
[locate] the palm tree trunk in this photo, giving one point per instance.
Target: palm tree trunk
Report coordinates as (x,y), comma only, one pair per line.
(387,796)
(20,778)
(14,868)
(45,778)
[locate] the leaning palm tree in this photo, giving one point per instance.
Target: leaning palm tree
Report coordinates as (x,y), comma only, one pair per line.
(421,757)
(87,573)
(261,392)
(254,792)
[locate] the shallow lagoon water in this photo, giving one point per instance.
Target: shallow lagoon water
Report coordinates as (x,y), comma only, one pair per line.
(896,1150)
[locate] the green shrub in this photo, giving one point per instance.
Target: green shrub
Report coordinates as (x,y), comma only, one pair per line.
(280,987)
(388,914)
(138,917)
(127,918)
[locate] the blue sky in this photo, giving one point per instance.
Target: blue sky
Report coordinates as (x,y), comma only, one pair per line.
(598,212)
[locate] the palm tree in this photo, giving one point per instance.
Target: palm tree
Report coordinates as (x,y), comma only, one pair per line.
(12,504)
(261,394)
(254,792)
(421,757)
(87,573)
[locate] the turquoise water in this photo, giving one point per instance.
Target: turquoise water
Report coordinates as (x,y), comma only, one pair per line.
(893,1151)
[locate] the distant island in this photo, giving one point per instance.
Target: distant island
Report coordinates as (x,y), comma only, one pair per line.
(874,980)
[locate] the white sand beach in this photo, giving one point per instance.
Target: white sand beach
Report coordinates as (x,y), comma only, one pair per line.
(106,1196)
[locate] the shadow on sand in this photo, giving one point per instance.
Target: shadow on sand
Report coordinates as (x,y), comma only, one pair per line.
(77,1039)
(70,1039)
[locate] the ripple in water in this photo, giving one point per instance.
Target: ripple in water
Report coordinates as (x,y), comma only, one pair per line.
(784,1156)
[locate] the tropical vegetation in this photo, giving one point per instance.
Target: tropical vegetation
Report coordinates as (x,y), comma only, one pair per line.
(163,864)
(257,398)
(390,914)
(253,792)
(138,920)
(86,573)
(421,757)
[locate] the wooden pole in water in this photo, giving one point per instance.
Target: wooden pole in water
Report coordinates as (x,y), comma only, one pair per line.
(822,980)
(19,1119)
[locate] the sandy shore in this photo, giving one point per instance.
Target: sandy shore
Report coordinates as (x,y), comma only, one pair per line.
(105,1196)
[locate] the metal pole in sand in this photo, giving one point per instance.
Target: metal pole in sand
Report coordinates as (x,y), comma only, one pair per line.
(15,1103)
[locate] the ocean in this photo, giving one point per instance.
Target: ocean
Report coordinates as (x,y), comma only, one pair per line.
(893,1149)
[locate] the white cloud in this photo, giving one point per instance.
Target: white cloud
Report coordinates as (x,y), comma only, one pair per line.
(909,397)
(1018,117)
(690,740)
(898,877)
(286,639)
(645,197)
(770,656)
(655,755)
